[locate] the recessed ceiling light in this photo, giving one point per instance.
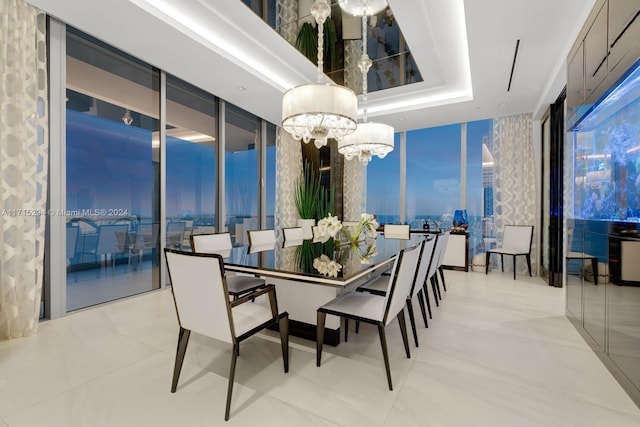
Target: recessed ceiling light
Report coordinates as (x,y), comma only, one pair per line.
(401,119)
(241,88)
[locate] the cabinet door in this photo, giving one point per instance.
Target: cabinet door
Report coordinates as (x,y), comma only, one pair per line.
(595,56)
(455,254)
(624,31)
(575,86)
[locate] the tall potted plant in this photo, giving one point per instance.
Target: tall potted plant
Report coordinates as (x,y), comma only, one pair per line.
(307,41)
(306,198)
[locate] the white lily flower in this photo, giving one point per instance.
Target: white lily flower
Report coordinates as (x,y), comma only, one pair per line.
(333,269)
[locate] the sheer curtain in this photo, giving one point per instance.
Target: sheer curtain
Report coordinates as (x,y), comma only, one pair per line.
(514,188)
(23,165)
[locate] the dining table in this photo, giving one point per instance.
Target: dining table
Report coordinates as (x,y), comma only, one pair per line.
(293,267)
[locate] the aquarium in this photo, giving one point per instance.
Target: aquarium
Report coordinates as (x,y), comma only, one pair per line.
(606,160)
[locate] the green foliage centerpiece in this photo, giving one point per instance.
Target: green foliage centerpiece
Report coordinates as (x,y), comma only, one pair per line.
(306,192)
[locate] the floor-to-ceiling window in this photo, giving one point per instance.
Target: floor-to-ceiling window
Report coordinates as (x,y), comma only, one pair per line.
(270,176)
(383,186)
(433,176)
(190,162)
(112,174)
(479,191)
(242,142)
(435,182)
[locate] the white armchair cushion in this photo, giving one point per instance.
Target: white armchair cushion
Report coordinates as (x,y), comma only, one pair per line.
(377,285)
(238,284)
(359,304)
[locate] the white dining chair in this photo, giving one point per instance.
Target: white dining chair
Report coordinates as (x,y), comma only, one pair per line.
(211,242)
(432,274)
(374,309)
(220,243)
(199,289)
(444,236)
(396,231)
(262,237)
(516,241)
(292,233)
(378,287)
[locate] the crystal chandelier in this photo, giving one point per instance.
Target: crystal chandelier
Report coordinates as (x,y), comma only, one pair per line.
(319,111)
(362,7)
(369,139)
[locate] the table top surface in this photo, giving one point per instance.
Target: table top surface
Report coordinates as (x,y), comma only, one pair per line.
(294,260)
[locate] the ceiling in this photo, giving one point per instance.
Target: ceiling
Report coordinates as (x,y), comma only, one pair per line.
(464,50)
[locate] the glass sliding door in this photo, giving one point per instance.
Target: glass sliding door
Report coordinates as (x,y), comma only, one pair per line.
(112,173)
(191,163)
(270,184)
(242,142)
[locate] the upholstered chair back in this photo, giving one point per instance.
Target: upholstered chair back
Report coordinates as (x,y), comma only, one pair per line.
(400,282)
(210,243)
(200,293)
(262,237)
(423,266)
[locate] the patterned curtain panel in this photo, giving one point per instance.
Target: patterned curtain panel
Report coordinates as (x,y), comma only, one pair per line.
(287,20)
(23,165)
(355,189)
(352,74)
(288,169)
(514,178)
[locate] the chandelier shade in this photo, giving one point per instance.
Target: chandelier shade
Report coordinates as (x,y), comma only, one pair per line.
(319,111)
(362,7)
(370,139)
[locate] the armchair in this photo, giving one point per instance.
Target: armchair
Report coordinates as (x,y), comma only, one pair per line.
(199,289)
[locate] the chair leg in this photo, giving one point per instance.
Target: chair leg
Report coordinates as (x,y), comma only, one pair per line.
(357,326)
(444,284)
(486,263)
(232,374)
(435,293)
(403,330)
(385,353)
(425,291)
(502,262)
(412,320)
(346,329)
(514,267)
(422,308)
(320,336)
(437,282)
(529,263)
(283,326)
(183,340)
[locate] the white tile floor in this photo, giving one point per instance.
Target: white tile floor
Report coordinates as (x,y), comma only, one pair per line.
(497,353)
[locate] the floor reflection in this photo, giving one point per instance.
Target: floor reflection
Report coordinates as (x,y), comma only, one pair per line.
(101,284)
